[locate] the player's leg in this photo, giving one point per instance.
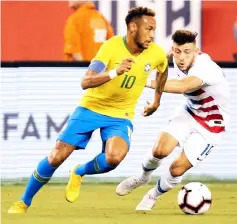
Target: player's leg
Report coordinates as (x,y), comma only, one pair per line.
(116,150)
(42,175)
(172,178)
(195,150)
(116,142)
(68,140)
(176,132)
(115,135)
(164,145)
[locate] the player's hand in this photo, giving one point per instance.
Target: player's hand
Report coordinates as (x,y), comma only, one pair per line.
(125,66)
(149,109)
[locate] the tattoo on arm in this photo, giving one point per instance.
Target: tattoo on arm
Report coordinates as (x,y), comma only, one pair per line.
(161,80)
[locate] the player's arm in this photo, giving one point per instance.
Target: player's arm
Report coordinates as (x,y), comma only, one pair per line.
(96,75)
(159,84)
(179,86)
(160,81)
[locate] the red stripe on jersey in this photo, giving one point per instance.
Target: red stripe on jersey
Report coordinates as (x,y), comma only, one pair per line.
(211,117)
(201,102)
(201,121)
(208,109)
(206,100)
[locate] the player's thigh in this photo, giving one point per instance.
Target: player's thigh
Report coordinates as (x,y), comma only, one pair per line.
(79,128)
(175,133)
(116,137)
(197,148)
(164,145)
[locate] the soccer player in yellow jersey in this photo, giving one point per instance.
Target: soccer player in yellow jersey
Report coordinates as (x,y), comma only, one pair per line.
(114,81)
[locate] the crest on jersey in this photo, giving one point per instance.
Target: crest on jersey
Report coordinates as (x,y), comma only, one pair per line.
(147,67)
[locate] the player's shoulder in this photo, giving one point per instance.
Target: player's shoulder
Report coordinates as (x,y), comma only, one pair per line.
(206,68)
(205,62)
(201,57)
(115,39)
(157,49)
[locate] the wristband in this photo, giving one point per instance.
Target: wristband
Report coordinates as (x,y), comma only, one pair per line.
(113,74)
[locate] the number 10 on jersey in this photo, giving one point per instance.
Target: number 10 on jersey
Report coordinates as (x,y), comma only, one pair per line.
(128,81)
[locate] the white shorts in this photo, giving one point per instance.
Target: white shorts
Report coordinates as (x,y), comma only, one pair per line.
(196,141)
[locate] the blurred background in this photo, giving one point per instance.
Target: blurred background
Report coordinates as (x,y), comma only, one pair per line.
(40,80)
(34,30)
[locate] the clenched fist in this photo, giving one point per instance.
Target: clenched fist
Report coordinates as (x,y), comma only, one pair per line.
(125,66)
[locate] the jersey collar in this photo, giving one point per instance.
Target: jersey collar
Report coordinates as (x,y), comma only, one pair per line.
(125,42)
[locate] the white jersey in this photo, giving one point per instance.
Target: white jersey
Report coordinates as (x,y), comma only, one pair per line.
(208,105)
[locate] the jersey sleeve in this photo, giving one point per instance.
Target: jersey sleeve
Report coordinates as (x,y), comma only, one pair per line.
(162,62)
(72,43)
(102,58)
(206,70)
(104,53)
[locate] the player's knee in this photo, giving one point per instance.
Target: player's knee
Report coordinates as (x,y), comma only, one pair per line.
(59,154)
(159,151)
(114,159)
(55,158)
(164,145)
(177,169)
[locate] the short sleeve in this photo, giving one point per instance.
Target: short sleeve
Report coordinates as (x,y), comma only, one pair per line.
(162,60)
(162,66)
(104,53)
(206,70)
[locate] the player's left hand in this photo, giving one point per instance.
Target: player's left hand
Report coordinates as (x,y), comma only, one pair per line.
(149,109)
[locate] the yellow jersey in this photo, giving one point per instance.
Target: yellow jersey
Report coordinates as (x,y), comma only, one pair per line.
(118,97)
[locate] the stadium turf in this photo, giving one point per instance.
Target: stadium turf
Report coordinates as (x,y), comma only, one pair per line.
(98,204)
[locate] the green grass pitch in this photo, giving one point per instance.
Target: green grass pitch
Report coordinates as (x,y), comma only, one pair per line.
(99,204)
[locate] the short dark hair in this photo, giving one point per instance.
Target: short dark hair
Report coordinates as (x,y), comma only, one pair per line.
(138,12)
(181,37)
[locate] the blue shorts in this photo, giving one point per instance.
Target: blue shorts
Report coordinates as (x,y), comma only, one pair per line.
(83,122)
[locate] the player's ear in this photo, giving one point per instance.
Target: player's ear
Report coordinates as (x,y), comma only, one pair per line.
(172,50)
(133,27)
(197,51)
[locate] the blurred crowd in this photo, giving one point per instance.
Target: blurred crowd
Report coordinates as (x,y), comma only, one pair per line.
(85,31)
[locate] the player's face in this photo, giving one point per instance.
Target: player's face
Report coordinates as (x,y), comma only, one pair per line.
(184,55)
(145,31)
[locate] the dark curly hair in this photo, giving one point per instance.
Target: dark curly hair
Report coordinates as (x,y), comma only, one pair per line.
(181,37)
(137,13)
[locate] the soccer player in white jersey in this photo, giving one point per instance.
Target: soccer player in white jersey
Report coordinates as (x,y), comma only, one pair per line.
(196,127)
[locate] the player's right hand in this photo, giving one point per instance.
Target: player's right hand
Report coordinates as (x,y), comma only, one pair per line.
(125,66)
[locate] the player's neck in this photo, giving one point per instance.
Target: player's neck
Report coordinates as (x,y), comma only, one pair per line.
(132,46)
